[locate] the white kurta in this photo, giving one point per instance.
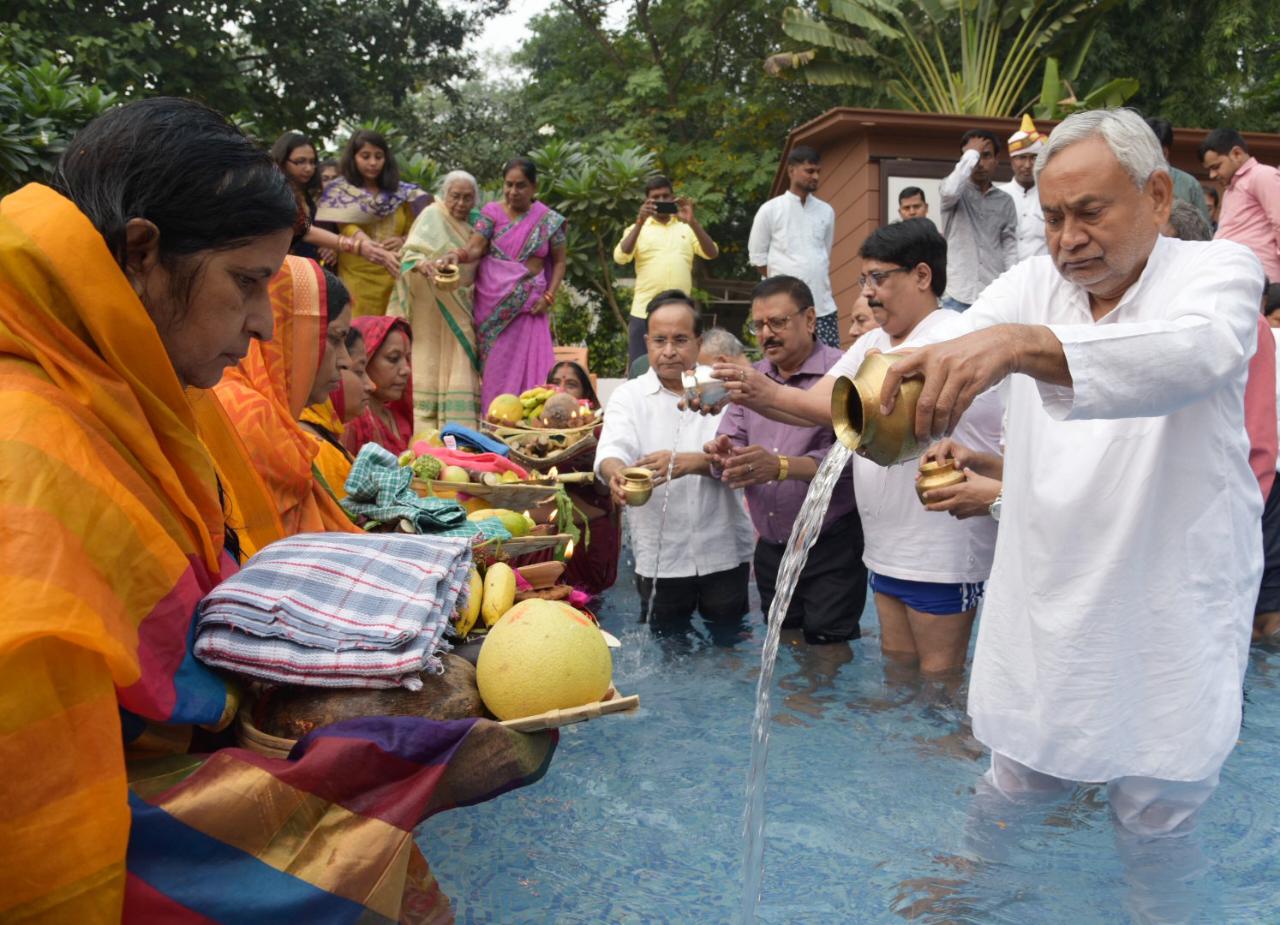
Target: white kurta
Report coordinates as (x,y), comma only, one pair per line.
(1115,633)
(707,529)
(1031,242)
(793,238)
(901,539)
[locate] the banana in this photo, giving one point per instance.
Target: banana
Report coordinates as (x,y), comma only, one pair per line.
(535,413)
(499,592)
(471,610)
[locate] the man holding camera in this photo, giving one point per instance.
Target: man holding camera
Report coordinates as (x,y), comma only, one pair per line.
(663,242)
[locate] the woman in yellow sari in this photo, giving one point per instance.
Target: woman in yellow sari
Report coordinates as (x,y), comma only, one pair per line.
(370,197)
(265,394)
(446,367)
(124,291)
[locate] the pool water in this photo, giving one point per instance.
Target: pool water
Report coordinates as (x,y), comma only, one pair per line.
(871,815)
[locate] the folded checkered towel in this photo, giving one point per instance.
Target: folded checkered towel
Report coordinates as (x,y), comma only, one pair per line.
(381,489)
(337,609)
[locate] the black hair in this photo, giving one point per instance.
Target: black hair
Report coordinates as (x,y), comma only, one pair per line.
(908,192)
(354,337)
(388,180)
(580,371)
(1221,141)
(1271,298)
(284,147)
(658,181)
(1164,131)
(336,296)
(908,244)
(981,133)
(327,162)
(527,167)
(672,297)
(803,154)
(797,289)
(181,166)
(1212,191)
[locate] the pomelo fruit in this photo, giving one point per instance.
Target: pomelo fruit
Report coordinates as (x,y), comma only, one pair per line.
(506,409)
(542,655)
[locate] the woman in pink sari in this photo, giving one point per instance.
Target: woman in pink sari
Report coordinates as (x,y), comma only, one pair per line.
(520,246)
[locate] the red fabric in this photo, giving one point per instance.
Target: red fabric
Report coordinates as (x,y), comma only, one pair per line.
(476,462)
(1260,408)
(368,428)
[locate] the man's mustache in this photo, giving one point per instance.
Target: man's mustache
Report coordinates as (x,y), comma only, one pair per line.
(874,303)
(772,343)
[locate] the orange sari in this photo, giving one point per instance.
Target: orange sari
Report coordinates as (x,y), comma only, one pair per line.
(265,394)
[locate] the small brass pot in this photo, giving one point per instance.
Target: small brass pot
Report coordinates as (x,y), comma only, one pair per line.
(940,474)
(637,485)
(447,278)
(855,413)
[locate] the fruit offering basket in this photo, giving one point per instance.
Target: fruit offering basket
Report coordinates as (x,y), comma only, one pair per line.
(540,449)
(518,496)
(518,547)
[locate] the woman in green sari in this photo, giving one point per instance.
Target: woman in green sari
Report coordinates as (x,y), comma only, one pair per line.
(446,366)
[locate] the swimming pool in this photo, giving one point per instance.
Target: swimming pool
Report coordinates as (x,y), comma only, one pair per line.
(870,805)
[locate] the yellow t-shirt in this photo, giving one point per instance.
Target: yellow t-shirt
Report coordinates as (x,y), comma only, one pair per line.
(664,260)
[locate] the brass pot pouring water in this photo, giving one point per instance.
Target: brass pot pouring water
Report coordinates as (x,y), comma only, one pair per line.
(856,418)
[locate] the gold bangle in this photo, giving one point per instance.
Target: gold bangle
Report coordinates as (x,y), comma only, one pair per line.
(783,467)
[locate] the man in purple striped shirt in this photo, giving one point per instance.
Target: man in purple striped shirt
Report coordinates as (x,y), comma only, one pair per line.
(775,462)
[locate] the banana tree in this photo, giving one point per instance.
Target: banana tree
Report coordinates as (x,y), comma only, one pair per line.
(975,57)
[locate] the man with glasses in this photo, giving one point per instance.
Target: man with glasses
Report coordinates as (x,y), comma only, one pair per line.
(927,569)
(663,241)
(775,461)
(699,549)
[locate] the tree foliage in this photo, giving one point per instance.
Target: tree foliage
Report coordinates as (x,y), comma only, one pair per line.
(306,64)
(958,56)
(1202,64)
(681,79)
(42,105)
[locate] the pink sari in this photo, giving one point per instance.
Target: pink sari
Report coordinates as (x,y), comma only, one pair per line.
(515,345)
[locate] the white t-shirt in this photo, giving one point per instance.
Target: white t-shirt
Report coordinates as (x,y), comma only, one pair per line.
(901,538)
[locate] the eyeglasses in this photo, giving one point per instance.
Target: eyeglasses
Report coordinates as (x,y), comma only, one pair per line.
(680,340)
(878,277)
(773,324)
(303,161)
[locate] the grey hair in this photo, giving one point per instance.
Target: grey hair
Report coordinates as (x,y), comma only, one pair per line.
(458,176)
(1187,222)
(1126,134)
(720,342)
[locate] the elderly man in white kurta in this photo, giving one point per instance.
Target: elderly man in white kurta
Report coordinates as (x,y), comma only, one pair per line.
(1114,639)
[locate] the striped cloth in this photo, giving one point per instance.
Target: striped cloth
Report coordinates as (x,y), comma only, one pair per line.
(337,610)
(380,489)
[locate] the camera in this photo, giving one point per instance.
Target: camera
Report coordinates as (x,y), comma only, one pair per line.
(666,208)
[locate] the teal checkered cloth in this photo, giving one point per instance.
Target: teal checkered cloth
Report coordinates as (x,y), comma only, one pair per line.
(380,489)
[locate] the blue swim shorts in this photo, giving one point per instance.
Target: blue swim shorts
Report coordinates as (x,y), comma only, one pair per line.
(939,598)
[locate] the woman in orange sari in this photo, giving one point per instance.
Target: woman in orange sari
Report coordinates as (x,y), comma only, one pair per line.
(124,291)
(265,394)
(388,421)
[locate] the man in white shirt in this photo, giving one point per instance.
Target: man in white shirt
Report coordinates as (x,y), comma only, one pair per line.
(979,221)
(792,235)
(1115,633)
(701,553)
(1024,145)
(927,569)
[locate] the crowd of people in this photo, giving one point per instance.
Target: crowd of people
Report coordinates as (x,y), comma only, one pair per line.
(1097,367)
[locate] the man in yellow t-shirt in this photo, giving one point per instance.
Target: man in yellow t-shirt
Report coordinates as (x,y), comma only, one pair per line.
(663,242)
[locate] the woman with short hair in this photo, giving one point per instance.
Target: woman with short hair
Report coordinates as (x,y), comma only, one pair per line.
(446,365)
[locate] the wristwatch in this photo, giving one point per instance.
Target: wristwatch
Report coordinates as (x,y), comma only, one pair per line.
(995,506)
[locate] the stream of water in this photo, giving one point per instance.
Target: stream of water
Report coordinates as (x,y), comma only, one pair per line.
(662,520)
(807,527)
